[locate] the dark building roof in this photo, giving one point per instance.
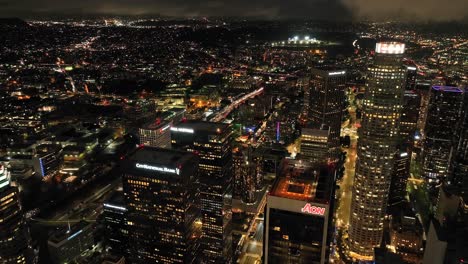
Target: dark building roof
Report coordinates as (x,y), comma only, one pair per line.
(302,180)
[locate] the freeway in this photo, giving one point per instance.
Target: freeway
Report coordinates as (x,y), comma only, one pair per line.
(228,109)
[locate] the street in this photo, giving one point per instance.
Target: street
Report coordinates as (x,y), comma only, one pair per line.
(344,194)
(253,247)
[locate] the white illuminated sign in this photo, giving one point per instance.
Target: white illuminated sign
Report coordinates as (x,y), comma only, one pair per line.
(166,127)
(115,207)
(411,68)
(390,48)
(183,130)
(311,209)
(156,168)
(336,73)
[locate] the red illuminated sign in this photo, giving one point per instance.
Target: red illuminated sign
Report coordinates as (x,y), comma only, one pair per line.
(311,209)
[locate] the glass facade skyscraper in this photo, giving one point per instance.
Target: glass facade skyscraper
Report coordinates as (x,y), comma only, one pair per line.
(211,142)
(326,104)
(315,144)
(13,232)
(156,135)
(162,202)
(299,213)
(442,132)
(115,224)
(377,144)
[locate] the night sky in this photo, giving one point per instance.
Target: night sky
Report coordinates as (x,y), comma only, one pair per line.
(418,10)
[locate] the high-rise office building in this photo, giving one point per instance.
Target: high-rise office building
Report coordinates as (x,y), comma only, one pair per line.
(211,142)
(162,202)
(326,104)
(298,214)
(115,223)
(67,243)
(459,177)
(13,232)
(47,160)
(376,148)
(304,83)
(244,175)
(156,135)
(410,116)
(411,74)
(406,233)
(442,132)
(446,238)
(400,174)
(315,144)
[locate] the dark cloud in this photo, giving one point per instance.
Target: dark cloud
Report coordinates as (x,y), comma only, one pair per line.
(314,9)
(409,10)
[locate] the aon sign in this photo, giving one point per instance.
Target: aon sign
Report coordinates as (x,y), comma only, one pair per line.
(311,209)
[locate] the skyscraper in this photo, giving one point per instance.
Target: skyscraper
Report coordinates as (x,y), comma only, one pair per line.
(298,214)
(376,148)
(211,142)
(244,175)
(459,177)
(47,160)
(13,232)
(162,202)
(315,144)
(115,223)
(411,74)
(442,131)
(156,135)
(410,116)
(67,243)
(326,104)
(400,174)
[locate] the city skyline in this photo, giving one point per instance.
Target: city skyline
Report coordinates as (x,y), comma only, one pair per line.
(212,140)
(334,10)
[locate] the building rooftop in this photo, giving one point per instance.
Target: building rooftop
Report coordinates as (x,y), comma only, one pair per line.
(74,149)
(319,132)
(159,156)
(202,126)
(116,200)
(302,180)
(451,89)
(328,70)
(48,148)
(158,124)
(68,233)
